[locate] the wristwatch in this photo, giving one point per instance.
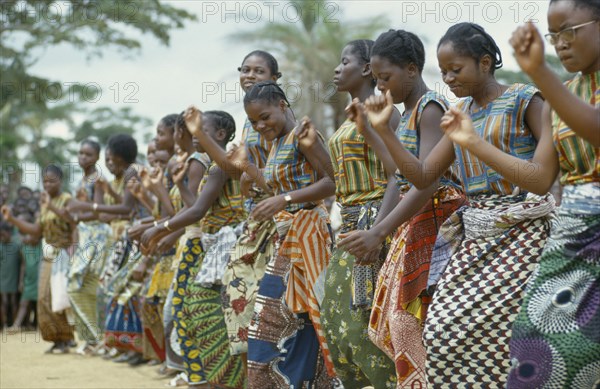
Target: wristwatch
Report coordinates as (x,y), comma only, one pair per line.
(288,199)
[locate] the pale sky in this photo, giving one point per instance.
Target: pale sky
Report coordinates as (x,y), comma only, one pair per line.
(200,65)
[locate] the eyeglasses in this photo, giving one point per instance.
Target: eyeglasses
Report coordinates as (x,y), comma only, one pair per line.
(567,35)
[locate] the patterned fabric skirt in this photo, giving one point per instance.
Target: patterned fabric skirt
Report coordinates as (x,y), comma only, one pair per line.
(495,246)
(123,326)
(152,307)
(400,307)
(88,262)
(53,325)
(189,265)
(83,303)
(358,362)
(246,268)
(154,331)
(200,325)
(556,337)
(283,346)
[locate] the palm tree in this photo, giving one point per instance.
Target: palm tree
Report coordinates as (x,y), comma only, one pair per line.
(308,51)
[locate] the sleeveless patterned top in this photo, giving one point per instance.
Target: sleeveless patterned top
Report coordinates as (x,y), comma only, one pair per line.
(579,160)
(409,133)
(359,174)
(288,169)
(502,124)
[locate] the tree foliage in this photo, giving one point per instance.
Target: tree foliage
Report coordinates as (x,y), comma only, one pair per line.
(308,49)
(30,104)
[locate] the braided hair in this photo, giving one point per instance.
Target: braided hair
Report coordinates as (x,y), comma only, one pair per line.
(269,59)
(471,40)
(180,122)
(169,121)
(267,91)
(222,120)
(361,49)
(401,48)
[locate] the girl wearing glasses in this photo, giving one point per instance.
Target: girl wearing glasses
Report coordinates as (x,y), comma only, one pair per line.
(556,337)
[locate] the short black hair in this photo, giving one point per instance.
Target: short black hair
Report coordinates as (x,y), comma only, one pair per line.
(222,120)
(267,91)
(400,47)
(269,59)
(92,143)
(123,146)
(53,168)
(471,40)
(592,5)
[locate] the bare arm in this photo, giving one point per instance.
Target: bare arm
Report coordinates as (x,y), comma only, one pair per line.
(314,150)
(579,115)
(419,171)
(33,229)
(209,194)
(195,172)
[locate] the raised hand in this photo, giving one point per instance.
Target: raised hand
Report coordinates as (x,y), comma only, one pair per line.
(145,177)
(44,199)
(459,127)
(247,186)
(356,112)
(179,168)
(6,212)
(306,133)
(193,121)
(135,188)
(81,194)
(156,176)
(528,44)
(379,111)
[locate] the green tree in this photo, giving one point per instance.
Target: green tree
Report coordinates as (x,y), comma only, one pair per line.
(29,104)
(308,49)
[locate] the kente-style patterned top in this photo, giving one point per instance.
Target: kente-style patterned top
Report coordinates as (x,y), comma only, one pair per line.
(579,160)
(502,124)
(288,169)
(56,230)
(359,174)
(409,133)
(228,208)
(256,145)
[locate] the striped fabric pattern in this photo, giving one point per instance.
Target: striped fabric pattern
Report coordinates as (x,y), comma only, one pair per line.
(204,159)
(579,160)
(359,174)
(502,124)
(228,209)
(288,169)
(307,243)
(408,132)
(258,147)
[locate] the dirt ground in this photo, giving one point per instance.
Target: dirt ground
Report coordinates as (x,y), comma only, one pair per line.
(23,364)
